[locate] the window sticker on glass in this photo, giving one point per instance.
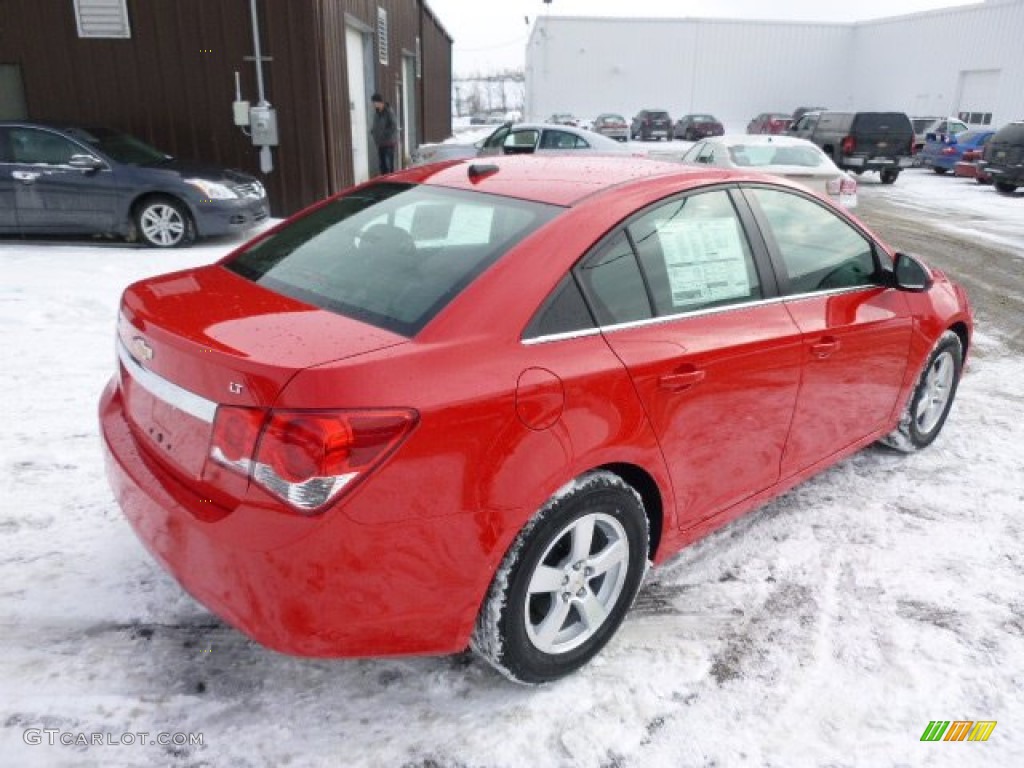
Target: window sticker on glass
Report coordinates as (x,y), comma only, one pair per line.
(705,261)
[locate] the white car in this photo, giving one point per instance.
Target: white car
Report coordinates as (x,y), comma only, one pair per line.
(520,139)
(795,159)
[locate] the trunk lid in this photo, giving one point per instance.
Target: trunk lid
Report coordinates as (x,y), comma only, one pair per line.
(193,340)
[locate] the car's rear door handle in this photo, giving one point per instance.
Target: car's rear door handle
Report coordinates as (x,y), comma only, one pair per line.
(27,176)
(825,347)
(676,382)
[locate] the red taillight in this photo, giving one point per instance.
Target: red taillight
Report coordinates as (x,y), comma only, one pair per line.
(307,458)
(841,186)
(848,146)
(235,432)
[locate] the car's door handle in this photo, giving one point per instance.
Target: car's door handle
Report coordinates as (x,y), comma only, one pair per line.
(825,347)
(27,176)
(676,382)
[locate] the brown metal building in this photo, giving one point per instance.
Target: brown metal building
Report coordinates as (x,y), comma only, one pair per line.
(164,70)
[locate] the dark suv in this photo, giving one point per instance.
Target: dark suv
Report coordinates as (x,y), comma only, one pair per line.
(651,124)
(1004,157)
(861,141)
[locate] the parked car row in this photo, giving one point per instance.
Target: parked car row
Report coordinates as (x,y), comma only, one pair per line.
(657,124)
(989,157)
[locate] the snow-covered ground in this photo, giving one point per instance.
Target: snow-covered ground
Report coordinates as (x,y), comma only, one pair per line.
(958,204)
(826,629)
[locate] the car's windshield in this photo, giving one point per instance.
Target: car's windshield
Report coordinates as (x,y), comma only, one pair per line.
(392,255)
(120,147)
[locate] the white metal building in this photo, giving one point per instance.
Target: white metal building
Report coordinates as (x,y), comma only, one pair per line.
(966,60)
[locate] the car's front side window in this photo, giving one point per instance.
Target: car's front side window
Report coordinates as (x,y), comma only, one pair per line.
(819,250)
(34,147)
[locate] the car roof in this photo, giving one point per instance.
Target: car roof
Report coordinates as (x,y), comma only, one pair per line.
(554,179)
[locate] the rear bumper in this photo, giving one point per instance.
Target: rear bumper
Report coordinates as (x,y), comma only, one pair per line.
(323,586)
(1008,174)
(875,163)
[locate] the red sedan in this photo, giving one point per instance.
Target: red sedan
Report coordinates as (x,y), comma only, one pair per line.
(967,167)
(466,404)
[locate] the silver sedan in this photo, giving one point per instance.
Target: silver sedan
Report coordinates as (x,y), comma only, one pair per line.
(795,159)
(521,139)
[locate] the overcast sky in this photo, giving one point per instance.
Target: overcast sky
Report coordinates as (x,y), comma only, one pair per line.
(491,34)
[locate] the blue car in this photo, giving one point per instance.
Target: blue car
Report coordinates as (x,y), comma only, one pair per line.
(69,180)
(941,152)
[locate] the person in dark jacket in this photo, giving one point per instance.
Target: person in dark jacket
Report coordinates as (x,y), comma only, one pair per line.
(385,133)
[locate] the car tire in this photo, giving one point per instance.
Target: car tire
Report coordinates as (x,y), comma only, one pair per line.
(938,170)
(163,222)
(889,176)
(932,398)
(1006,187)
(982,181)
(567,581)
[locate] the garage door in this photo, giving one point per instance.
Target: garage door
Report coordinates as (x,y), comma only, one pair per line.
(979,90)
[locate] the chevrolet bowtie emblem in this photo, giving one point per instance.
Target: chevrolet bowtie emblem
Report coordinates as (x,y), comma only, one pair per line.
(141,350)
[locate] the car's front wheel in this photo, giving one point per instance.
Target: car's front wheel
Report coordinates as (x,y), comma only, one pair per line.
(163,222)
(939,170)
(566,582)
(932,398)
(889,176)
(1006,187)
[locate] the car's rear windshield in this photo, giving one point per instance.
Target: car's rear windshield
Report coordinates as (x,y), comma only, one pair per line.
(968,137)
(392,255)
(658,115)
(755,155)
(890,122)
(703,118)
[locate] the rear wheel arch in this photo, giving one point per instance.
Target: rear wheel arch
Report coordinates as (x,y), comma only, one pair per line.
(551,607)
(643,483)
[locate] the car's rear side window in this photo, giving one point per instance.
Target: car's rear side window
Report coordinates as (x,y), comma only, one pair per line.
(392,255)
(695,254)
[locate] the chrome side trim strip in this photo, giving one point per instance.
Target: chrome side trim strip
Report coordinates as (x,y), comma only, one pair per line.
(698,313)
(166,391)
(582,333)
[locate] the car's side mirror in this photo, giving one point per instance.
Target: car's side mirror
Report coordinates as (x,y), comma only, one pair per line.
(85,162)
(909,274)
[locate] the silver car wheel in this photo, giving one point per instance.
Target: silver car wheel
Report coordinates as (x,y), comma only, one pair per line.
(576,583)
(162,224)
(938,388)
